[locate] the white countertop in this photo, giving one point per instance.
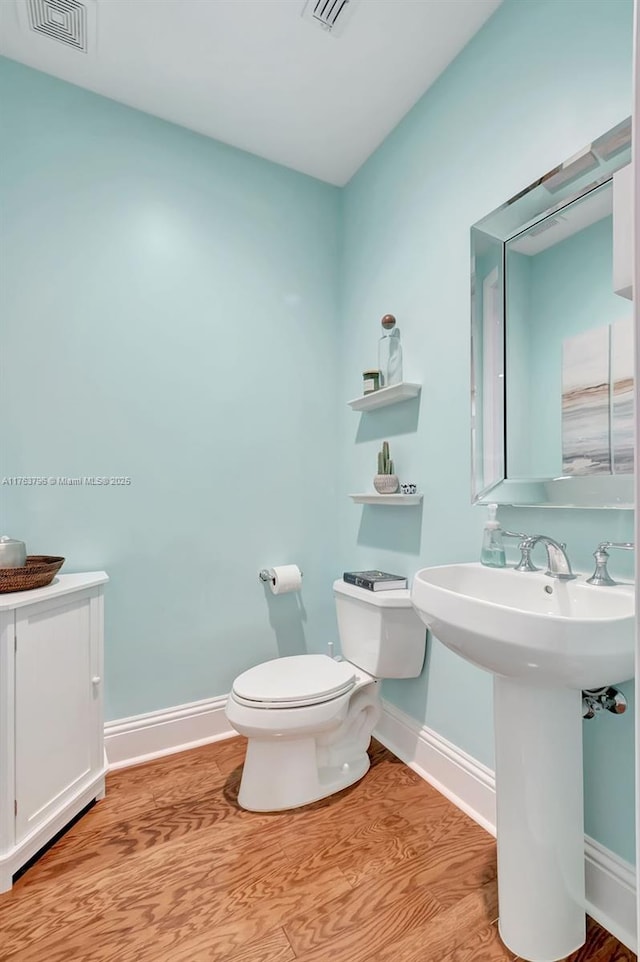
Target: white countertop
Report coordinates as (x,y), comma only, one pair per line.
(61,585)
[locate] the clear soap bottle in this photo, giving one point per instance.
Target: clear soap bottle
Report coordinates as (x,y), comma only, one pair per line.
(492,553)
(390,352)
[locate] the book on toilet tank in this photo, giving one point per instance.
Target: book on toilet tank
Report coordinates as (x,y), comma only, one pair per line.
(374,580)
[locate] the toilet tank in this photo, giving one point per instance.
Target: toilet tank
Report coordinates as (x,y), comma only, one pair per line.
(380,631)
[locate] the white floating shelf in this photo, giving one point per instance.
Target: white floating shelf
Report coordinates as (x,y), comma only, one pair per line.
(397,499)
(385,395)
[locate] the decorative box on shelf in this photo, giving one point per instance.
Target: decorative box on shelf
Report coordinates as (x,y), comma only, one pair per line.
(385,395)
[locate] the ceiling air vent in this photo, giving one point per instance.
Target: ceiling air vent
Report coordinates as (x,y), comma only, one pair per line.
(331,15)
(67,21)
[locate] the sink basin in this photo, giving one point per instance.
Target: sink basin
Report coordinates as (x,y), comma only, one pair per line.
(544,640)
(529,626)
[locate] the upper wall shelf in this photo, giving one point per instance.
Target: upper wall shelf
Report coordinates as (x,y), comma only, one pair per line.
(370,498)
(385,395)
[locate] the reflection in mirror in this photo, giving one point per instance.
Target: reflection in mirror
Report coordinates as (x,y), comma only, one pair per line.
(552,340)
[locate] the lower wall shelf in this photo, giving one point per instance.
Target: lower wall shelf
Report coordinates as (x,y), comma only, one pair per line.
(397,499)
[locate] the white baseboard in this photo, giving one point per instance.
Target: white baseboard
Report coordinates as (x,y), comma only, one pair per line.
(610,881)
(141,738)
(611,892)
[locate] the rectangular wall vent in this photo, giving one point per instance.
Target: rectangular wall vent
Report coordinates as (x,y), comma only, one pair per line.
(545,225)
(331,15)
(62,20)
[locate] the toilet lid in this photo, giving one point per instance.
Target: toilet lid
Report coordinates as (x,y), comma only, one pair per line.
(294,682)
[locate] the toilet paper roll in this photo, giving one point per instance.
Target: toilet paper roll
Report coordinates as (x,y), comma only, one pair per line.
(286,578)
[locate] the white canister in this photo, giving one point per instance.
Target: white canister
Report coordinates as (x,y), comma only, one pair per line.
(13,554)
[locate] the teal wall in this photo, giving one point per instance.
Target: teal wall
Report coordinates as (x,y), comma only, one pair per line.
(190,316)
(537,83)
(168,314)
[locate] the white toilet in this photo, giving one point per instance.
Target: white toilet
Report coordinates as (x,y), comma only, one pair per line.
(309,718)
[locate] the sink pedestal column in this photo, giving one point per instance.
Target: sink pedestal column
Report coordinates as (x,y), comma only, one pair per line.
(539,819)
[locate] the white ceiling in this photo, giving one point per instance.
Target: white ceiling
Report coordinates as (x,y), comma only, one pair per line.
(255,74)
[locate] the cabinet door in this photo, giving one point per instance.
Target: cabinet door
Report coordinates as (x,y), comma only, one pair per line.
(55,709)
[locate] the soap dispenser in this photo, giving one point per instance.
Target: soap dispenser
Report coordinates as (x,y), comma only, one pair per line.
(492,553)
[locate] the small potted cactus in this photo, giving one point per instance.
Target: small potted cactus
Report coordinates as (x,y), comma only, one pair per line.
(385,481)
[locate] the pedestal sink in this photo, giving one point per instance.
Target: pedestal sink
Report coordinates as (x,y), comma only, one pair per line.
(544,640)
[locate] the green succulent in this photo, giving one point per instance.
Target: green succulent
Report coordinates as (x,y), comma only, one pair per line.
(385,464)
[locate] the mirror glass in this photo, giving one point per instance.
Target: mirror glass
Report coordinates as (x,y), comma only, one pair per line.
(552,341)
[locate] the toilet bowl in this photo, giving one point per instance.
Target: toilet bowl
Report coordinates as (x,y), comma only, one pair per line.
(309,718)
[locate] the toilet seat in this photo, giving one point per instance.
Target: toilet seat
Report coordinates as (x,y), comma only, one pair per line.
(294,682)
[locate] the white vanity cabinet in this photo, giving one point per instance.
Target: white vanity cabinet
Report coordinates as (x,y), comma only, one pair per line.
(51,717)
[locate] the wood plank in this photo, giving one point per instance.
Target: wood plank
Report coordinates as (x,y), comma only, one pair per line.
(97,844)
(450,860)
(389,884)
(484,945)
(359,941)
(172,869)
(344,919)
(271,948)
(446,932)
(246,915)
(365,849)
(439,817)
(321,835)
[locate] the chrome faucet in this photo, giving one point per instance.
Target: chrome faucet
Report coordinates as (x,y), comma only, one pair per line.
(558,564)
(601,577)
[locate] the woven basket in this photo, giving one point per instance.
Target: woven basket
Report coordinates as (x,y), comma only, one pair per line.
(39,571)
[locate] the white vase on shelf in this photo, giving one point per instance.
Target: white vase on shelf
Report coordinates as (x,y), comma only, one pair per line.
(385,483)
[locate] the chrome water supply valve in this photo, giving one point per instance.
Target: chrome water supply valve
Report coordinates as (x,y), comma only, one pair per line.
(596,700)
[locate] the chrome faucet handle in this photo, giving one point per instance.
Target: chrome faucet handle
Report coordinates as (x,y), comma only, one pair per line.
(601,577)
(525,563)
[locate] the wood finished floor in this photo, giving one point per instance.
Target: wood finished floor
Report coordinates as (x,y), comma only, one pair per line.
(168,868)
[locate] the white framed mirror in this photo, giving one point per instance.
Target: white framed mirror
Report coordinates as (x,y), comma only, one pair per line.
(552,337)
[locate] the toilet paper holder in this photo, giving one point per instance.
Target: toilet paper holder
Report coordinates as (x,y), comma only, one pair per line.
(266,575)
